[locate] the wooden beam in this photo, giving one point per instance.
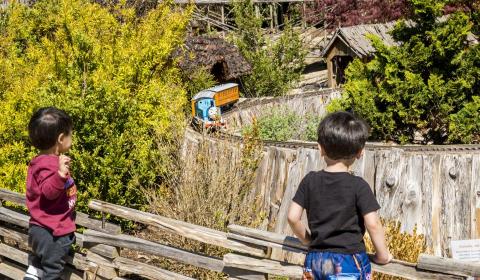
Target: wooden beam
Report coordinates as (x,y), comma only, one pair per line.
(148,271)
(195,232)
(411,273)
(153,248)
(13,217)
(21,220)
(447,265)
(263,265)
(295,256)
(100,249)
(14,235)
(11,270)
(11,196)
(272,237)
(105,268)
(264,243)
(14,254)
(22,258)
(81,219)
(242,274)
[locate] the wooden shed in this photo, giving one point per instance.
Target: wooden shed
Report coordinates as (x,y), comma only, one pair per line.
(351,42)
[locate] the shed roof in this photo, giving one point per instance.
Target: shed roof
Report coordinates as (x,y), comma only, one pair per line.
(355,37)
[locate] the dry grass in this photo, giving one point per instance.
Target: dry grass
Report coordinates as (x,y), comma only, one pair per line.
(402,245)
(211,188)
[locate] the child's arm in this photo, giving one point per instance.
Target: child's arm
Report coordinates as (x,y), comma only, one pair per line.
(294,220)
(54,183)
(377,235)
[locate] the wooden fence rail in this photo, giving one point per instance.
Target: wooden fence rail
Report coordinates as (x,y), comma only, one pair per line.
(252,251)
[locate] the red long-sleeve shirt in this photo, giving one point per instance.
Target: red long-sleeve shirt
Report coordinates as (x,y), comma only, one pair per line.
(50,197)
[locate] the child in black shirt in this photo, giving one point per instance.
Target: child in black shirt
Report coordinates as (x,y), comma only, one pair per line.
(339,206)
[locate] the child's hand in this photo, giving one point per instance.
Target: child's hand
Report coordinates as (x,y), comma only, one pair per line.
(382,260)
(63,165)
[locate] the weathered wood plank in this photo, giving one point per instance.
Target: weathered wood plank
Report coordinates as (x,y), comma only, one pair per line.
(12,196)
(149,247)
(295,255)
(475,189)
(11,270)
(242,274)
(79,261)
(22,258)
(427,193)
(13,254)
(264,243)
(436,206)
(105,268)
(13,217)
(22,220)
(447,265)
(100,249)
(263,265)
(148,271)
(456,197)
(388,188)
(277,238)
(411,273)
(411,200)
(14,235)
(81,219)
(195,232)
(295,271)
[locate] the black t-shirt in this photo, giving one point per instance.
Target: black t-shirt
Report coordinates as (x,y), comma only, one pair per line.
(335,203)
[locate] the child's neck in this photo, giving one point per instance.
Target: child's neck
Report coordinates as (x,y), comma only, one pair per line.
(336,166)
(52,151)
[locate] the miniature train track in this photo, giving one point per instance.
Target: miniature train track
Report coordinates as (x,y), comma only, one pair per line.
(458,148)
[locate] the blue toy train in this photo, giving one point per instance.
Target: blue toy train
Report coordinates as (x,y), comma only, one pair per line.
(208,104)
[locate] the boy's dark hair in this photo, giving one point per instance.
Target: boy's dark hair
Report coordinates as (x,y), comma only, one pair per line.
(342,135)
(46,125)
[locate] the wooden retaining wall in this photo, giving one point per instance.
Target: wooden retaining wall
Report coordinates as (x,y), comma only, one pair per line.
(436,190)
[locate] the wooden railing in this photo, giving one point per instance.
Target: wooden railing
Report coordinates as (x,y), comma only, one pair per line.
(254,253)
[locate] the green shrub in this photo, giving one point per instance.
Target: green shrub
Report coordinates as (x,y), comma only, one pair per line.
(276,65)
(282,124)
(113,73)
(428,85)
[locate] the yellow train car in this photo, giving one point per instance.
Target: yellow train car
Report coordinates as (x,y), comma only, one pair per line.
(208,104)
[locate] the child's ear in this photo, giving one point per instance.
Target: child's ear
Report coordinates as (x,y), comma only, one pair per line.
(322,151)
(359,154)
(61,137)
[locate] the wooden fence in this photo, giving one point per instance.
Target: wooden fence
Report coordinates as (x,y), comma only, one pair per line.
(252,251)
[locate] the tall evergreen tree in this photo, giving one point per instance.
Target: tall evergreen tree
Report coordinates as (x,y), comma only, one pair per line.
(429,84)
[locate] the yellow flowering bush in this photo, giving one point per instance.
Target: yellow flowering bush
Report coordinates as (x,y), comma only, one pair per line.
(114,74)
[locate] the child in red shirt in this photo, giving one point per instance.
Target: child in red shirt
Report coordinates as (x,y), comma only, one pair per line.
(51,194)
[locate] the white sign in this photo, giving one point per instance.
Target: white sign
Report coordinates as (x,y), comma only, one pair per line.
(466,250)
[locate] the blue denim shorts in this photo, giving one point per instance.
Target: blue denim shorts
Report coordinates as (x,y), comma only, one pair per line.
(336,266)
